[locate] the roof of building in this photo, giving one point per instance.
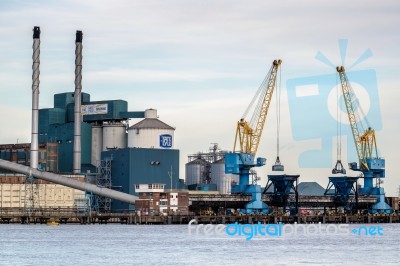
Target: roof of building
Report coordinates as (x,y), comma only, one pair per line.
(199,161)
(310,189)
(151,123)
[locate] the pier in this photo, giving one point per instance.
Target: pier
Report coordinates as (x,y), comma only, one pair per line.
(75,217)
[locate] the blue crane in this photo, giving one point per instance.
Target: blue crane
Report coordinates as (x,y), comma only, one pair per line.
(370,164)
(247,139)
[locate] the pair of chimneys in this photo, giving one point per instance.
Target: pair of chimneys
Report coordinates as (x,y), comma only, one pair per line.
(35,100)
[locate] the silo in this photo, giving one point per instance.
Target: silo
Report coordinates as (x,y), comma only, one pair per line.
(219,177)
(151,133)
(97,143)
(195,170)
(114,136)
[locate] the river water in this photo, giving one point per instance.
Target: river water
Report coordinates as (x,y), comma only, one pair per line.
(116,244)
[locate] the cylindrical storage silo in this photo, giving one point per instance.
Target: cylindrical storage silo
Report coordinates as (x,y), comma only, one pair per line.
(151,133)
(195,171)
(220,178)
(114,136)
(150,113)
(97,144)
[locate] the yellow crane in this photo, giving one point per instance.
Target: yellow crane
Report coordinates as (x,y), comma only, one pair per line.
(370,164)
(248,134)
(365,141)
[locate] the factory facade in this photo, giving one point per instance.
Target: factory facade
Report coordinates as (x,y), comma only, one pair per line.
(154,199)
(140,154)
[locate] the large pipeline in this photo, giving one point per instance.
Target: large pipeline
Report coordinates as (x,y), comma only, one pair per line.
(65,181)
(35,98)
(77,109)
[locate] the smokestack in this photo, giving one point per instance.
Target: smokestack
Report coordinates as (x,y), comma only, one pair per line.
(35,97)
(77,110)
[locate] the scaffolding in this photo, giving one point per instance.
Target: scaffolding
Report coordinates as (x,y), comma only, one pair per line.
(32,199)
(103,179)
(205,159)
(214,154)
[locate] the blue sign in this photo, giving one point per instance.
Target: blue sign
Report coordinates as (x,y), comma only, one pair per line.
(166,141)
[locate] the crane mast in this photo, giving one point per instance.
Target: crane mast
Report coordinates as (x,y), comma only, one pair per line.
(371,165)
(248,135)
(365,142)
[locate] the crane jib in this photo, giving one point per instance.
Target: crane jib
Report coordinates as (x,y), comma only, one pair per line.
(248,135)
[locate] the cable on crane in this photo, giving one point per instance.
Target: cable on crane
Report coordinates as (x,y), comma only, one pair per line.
(338,169)
(278,166)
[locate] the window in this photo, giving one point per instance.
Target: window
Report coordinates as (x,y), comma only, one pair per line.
(150,186)
(137,186)
(172,196)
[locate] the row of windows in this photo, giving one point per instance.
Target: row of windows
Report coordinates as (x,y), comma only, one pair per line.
(156,186)
(152,186)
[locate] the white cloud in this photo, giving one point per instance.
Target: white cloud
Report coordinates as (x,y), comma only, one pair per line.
(138,75)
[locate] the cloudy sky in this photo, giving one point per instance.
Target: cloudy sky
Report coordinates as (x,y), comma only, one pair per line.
(200,63)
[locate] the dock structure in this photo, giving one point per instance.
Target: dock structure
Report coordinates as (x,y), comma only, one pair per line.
(73,217)
(317,204)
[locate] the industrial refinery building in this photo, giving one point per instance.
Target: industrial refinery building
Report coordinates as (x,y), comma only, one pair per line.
(113,154)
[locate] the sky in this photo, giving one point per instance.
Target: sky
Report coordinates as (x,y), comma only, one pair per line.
(199,63)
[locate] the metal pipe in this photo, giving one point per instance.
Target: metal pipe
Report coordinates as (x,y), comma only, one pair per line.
(77,110)
(35,98)
(65,181)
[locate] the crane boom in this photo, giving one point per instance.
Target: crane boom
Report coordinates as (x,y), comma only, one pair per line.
(249,134)
(371,166)
(365,142)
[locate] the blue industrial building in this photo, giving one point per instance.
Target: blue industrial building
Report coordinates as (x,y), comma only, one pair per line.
(133,166)
(57,125)
(141,154)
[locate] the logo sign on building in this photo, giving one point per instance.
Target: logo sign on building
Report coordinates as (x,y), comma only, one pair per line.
(94,109)
(166,141)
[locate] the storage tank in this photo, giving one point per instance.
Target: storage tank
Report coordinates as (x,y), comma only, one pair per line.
(97,143)
(151,133)
(218,176)
(114,136)
(195,171)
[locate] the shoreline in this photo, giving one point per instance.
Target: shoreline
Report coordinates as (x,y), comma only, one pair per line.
(63,218)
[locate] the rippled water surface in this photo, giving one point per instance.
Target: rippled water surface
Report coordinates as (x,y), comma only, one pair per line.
(115,244)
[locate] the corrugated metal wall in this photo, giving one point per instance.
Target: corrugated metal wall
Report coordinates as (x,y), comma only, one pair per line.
(64,134)
(50,196)
(132,166)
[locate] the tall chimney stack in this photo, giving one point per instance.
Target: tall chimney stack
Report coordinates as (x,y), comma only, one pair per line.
(77,110)
(35,98)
